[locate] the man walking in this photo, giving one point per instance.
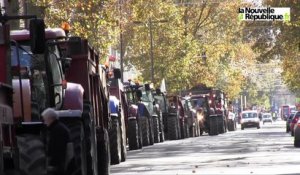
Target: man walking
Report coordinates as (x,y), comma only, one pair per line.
(58,136)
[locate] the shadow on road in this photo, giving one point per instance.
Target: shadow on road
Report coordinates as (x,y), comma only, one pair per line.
(233,149)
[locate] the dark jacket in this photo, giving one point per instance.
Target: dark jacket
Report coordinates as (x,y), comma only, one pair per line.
(58,138)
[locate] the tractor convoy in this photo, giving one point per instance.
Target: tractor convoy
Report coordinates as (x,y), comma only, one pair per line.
(44,68)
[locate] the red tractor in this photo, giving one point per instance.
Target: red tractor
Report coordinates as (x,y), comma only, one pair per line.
(32,73)
(90,128)
(35,67)
(175,122)
(211,107)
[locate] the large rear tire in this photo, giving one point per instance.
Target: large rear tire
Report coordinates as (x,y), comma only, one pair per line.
(179,129)
(145,130)
(182,129)
(187,133)
(89,143)
(103,151)
(151,130)
(123,148)
(79,142)
(221,125)
(213,126)
(133,135)
(156,129)
(115,142)
(32,155)
(172,127)
(161,129)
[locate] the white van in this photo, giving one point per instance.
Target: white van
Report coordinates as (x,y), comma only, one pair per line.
(250,119)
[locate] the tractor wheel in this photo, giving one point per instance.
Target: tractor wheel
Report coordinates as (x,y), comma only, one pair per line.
(192,131)
(187,130)
(156,129)
(140,134)
(161,130)
(151,130)
(201,131)
(145,130)
(103,151)
(32,156)
(181,127)
(87,124)
(179,130)
(133,135)
(123,147)
(231,125)
(172,128)
(115,142)
(213,127)
(80,152)
(221,126)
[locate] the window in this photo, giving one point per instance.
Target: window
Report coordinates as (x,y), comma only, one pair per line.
(32,68)
(249,115)
(56,72)
(198,102)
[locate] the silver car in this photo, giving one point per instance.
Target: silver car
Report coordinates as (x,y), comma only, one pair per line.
(267,118)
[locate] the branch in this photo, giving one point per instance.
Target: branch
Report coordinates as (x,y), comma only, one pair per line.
(199,18)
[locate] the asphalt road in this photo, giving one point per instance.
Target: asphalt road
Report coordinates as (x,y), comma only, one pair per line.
(268,150)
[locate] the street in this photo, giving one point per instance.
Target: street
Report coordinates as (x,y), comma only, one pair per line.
(268,150)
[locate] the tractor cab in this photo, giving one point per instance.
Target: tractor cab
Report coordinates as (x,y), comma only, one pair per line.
(37,77)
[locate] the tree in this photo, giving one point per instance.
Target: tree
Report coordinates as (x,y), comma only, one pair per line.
(92,19)
(184,33)
(282,43)
(191,30)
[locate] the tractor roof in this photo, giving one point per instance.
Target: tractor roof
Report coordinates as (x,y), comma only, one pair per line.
(23,35)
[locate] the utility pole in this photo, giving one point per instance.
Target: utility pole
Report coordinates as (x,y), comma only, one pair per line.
(121,42)
(151,50)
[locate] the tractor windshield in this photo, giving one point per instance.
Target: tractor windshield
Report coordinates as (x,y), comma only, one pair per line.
(199,102)
(161,101)
(130,96)
(44,81)
(32,68)
(147,96)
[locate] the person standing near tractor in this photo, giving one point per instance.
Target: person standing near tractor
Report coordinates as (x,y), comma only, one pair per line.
(58,136)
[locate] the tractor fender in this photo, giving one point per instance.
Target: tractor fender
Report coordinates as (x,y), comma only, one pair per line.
(73,97)
(114,104)
(133,112)
(64,114)
(142,109)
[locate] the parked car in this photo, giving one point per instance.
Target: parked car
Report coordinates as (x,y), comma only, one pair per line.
(293,122)
(267,118)
(288,122)
(297,134)
(250,119)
